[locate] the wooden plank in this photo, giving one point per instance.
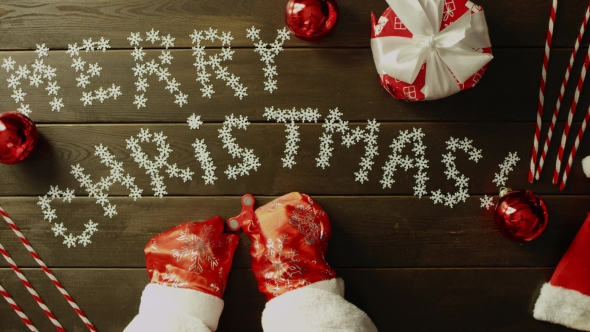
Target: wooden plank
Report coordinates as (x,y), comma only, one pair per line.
(459,299)
(522,23)
(370,232)
(63,146)
(306,78)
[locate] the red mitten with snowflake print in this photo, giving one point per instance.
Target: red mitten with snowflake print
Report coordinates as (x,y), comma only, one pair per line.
(289,240)
(193,255)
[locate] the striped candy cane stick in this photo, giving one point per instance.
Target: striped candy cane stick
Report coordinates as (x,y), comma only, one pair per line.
(47,271)
(17,309)
(29,287)
(574,150)
(542,92)
(570,118)
(561,91)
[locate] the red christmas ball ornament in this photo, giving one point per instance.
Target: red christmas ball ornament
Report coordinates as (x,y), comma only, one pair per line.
(18,136)
(521,215)
(311,20)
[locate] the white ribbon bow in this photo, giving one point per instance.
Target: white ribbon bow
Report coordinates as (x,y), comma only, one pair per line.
(449,53)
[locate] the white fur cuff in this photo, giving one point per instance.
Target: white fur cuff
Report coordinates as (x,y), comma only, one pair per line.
(563,306)
(586,166)
(313,308)
(159,298)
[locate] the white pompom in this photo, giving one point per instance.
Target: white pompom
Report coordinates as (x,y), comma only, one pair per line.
(586,166)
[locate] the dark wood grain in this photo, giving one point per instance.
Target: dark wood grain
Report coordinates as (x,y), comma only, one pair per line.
(368,232)
(322,79)
(396,299)
(410,264)
(511,23)
(63,146)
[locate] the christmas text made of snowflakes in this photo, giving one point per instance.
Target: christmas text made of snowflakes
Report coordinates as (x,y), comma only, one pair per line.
(157,167)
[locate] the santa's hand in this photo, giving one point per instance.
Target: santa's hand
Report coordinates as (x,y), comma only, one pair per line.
(193,255)
(289,239)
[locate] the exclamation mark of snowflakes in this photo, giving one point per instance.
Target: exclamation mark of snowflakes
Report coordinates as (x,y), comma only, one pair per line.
(500,178)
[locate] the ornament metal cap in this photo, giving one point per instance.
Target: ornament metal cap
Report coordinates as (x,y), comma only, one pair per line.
(504,191)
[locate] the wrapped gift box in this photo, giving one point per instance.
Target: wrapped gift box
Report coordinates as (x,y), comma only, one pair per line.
(426,50)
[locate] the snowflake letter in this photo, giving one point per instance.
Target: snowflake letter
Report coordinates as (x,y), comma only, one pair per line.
(153,167)
(249,160)
(268,52)
(214,62)
(461,181)
(289,117)
(395,159)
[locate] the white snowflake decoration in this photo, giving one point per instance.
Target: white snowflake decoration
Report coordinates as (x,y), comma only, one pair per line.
(334,123)
(42,50)
(154,67)
(153,167)
(249,160)
(67,195)
(289,117)
(268,53)
(253,33)
(116,175)
(8,64)
(83,80)
(395,159)
(461,182)
(201,153)
(500,178)
(135,39)
(214,61)
(41,73)
(19,95)
(194,121)
(24,109)
(486,202)
(506,167)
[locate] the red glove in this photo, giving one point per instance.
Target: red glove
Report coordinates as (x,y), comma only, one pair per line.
(289,239)
(195,255)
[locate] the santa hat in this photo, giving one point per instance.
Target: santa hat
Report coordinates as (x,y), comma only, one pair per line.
(586,166)
(565,299)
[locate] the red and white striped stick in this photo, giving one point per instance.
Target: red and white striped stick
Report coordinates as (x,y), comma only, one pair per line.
(570,118)
(542,92)
(561,91)
(17,309)
(47,271)
(574,150)
(29,287)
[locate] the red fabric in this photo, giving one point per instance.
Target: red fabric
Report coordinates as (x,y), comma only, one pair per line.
(573,271)
(289,240)
(390,25)
(195,255)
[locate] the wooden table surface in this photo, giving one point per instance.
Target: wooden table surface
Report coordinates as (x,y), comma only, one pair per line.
(409,263)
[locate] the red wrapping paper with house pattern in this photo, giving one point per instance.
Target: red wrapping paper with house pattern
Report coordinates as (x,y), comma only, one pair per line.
(426,50)
(194,255)
(289,240)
